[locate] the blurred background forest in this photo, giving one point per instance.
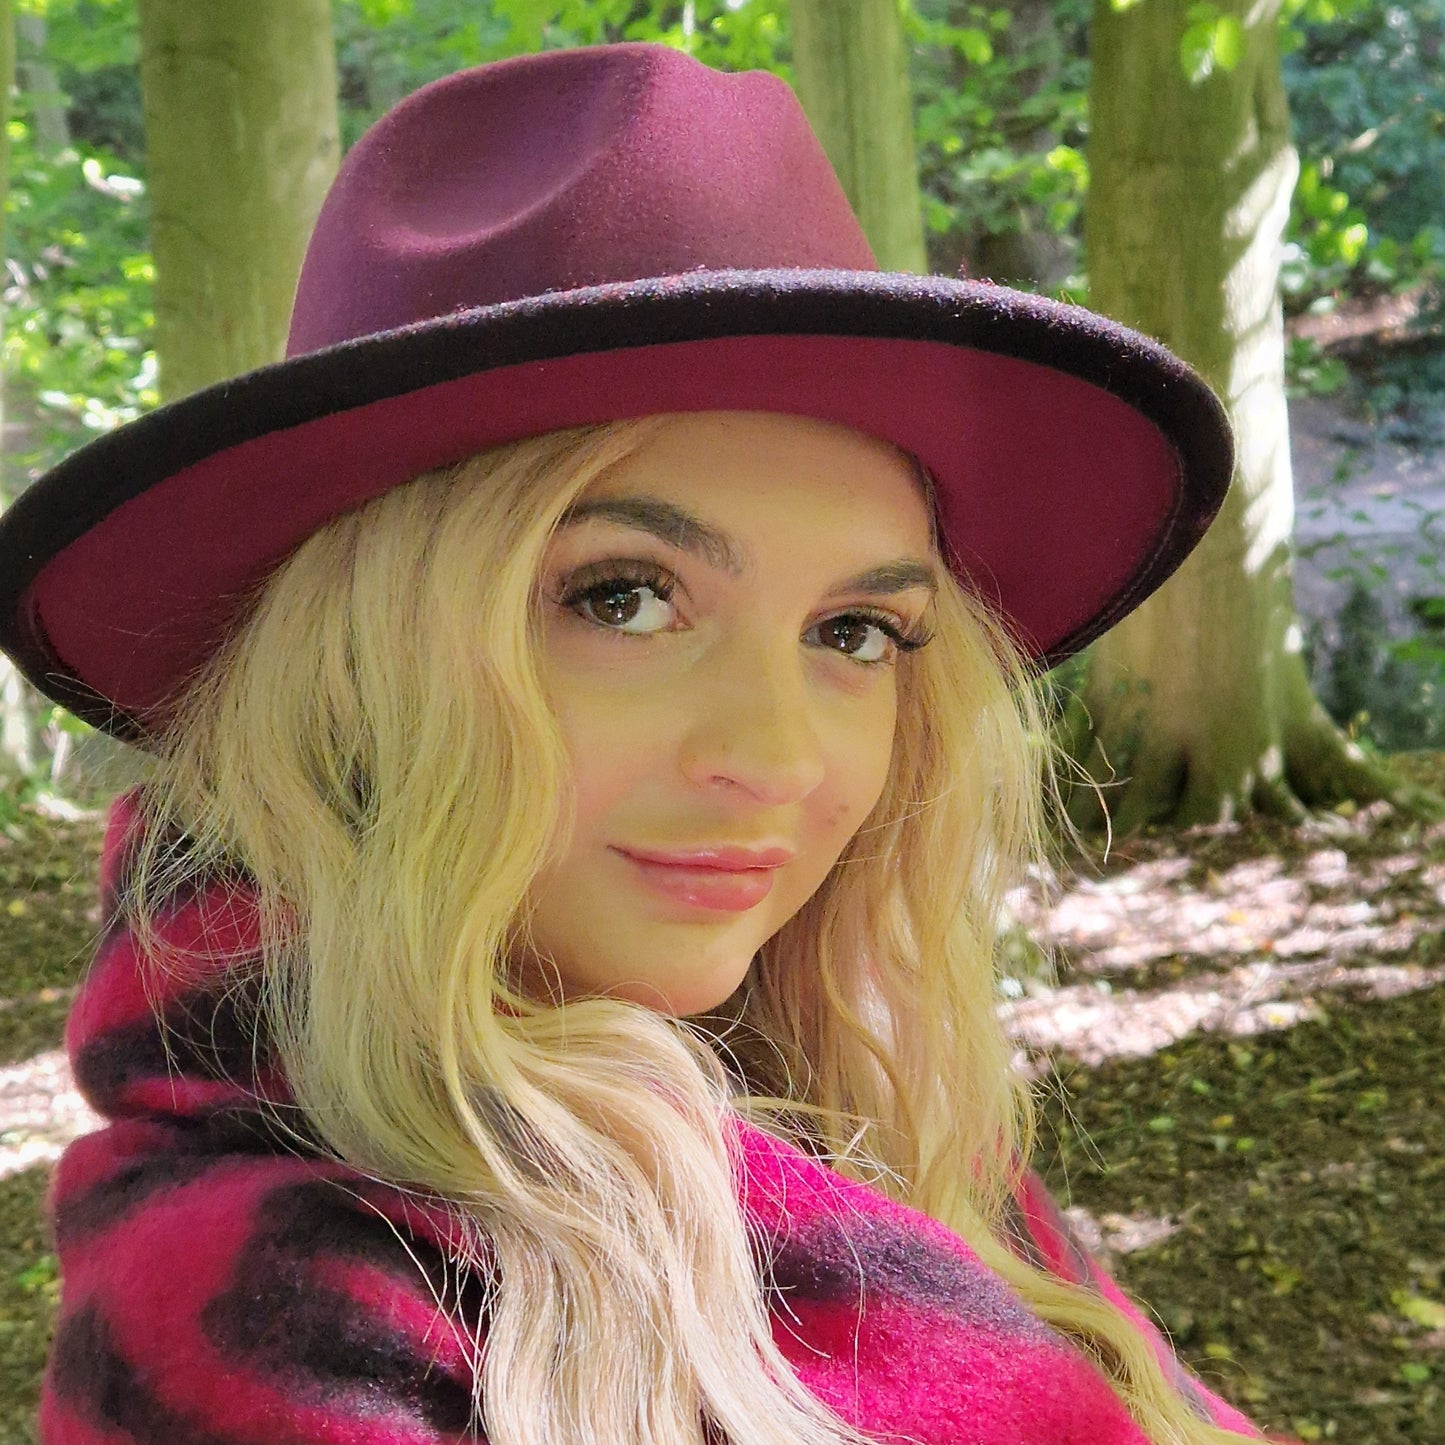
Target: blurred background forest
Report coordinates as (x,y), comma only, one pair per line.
(1246,1006)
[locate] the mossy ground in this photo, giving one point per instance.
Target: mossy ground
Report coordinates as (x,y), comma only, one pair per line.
(1289,1184)
(48,921)
(1303,1176)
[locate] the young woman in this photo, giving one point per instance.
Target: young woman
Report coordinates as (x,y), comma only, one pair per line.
(547,992)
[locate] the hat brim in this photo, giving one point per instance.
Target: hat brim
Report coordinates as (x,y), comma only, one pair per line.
(1076,463)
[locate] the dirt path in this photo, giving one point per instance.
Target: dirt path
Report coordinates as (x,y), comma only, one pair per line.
(1367,503)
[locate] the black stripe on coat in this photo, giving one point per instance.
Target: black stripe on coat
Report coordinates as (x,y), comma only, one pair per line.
(317,1341)
(92,1379)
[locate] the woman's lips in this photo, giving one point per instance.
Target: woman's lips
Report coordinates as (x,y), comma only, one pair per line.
(725,890)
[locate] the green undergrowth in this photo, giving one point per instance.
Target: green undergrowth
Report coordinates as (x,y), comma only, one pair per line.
(28,1295)
(48,922)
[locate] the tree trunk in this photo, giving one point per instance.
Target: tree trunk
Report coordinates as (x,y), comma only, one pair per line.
(1197,708)
(38,79)
(7,81)
(851,68)
(19,705)
(243,140)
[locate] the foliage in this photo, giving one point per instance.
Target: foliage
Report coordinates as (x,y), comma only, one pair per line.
(1401,388)
(78,300)
(95,47)
(1211,40)
(1367,91)
(387,48)
(1388,691)
(1001,126)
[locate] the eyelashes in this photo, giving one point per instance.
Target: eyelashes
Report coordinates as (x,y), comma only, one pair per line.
(615,579)
(603,594)
(613,585)
(905,639)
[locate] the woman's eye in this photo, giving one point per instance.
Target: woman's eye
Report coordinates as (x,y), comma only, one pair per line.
(632,605)
(858,637)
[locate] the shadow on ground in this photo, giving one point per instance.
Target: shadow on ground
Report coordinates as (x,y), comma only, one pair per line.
(1243,1056)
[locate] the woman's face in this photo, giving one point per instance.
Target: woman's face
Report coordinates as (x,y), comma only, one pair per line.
(720,621)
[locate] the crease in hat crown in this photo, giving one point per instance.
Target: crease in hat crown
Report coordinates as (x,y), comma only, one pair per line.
(563,170)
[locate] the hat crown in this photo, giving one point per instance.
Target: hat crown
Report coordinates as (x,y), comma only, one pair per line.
(568,169)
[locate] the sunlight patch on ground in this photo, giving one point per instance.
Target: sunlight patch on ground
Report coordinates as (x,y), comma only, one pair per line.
(1168,945)
(41,1111)
(39,996)
(1092,1022)
(1108,1234)
(1162,909)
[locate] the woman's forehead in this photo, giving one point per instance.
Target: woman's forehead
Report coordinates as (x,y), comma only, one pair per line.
(687,532)
(777,468)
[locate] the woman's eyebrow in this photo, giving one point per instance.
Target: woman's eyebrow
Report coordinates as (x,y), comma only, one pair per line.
(667,521)
(901,576)
(689,533)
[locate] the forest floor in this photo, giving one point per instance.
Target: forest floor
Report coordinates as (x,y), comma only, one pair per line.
(1241,1057)
(1243,1053)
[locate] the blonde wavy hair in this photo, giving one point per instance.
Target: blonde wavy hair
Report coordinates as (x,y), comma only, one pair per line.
(375,750)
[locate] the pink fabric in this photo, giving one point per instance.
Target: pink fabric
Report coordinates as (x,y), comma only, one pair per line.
(220,1289)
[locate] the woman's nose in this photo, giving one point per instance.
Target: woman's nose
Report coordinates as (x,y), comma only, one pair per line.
(753,727)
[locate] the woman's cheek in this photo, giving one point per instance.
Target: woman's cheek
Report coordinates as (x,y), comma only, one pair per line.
(860,753)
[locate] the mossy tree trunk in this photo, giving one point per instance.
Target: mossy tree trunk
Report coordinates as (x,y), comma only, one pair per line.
(7,82)
(1197,708)
(243,140)
(19,706)
(850,63)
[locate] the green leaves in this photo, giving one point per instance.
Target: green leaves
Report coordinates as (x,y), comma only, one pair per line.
(383,12)
(529,21)
(1000,131)
(79,312)
(1427,1313)
(1367,92)
(1210,39)
(973,42)
(89,35)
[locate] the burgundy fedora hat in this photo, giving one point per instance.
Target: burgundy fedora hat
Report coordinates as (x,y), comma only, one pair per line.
(578,237)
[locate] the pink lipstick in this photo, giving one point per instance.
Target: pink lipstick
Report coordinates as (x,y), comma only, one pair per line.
(726,880)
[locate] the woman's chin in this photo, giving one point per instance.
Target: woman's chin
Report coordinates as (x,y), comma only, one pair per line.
(682,998)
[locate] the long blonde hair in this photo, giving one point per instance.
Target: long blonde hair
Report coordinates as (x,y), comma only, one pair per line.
(374,748)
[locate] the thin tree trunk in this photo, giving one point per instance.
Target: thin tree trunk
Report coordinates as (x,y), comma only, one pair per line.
(243,140)
(1197,708)
(850,63)
(19,704)
(7,82)
(38,79)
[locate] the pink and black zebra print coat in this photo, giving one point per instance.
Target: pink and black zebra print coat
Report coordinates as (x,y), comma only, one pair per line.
(221,1287)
